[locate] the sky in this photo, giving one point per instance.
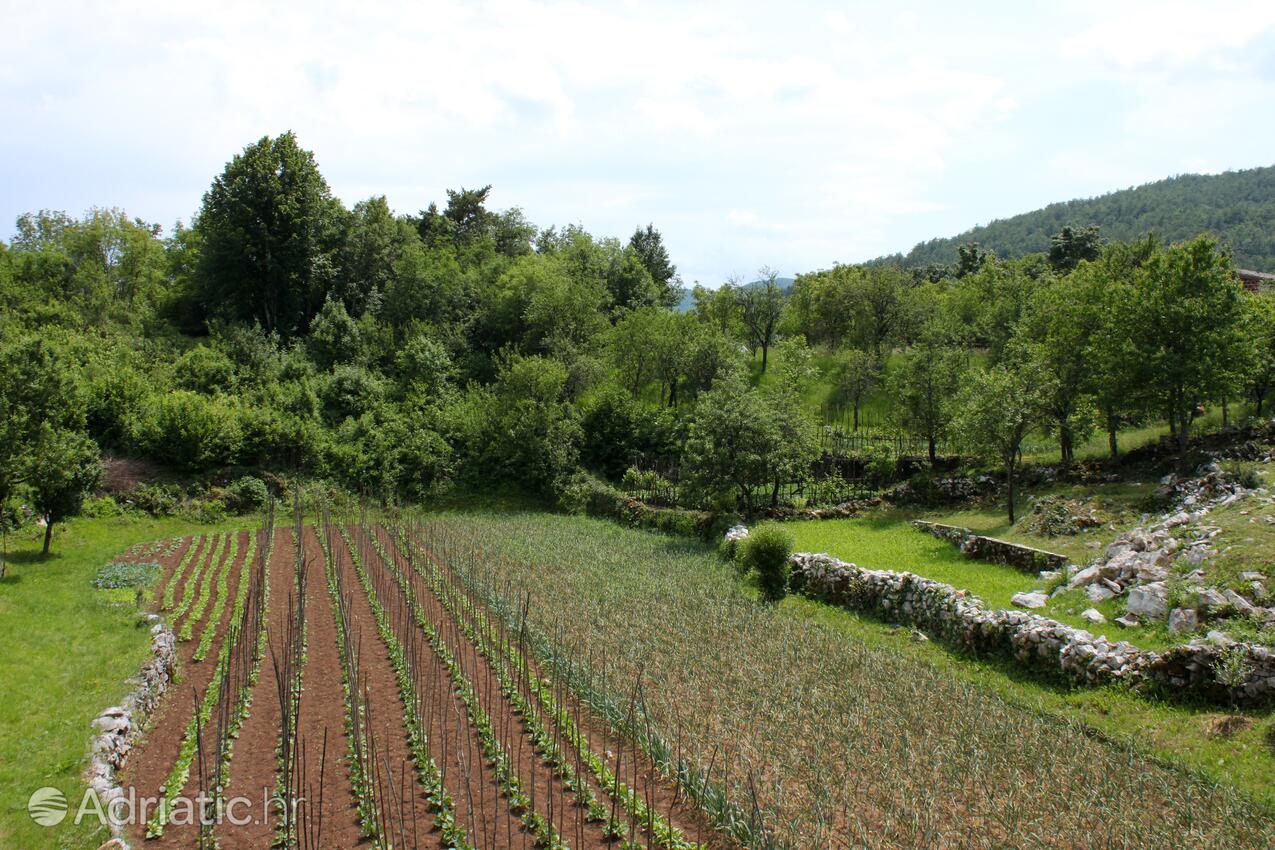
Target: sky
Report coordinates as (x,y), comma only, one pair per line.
(790,135)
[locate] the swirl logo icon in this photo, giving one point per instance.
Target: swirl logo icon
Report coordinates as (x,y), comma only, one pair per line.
(47,806)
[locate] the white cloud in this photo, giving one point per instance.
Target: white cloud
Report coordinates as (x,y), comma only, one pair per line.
(749,133)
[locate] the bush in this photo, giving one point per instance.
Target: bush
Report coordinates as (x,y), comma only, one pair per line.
(101,507)
(188,429)
(247,494)
(158,500)
(766,551)
(1244,473)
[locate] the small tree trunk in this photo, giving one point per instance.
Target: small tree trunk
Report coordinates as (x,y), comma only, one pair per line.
(48,534)
(933,450)
(1065,443)
(765,351)
(1113,435)
(774,494)
(856,414)
(1173,423)
(1226,411)
(1009,482)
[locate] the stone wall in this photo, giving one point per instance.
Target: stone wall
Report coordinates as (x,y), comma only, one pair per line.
(117,728)
(1221,671)
(972,545)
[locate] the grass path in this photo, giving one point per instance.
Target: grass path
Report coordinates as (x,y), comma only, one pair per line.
(68,651)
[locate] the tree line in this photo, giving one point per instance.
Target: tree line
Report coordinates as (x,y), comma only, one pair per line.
(401,354)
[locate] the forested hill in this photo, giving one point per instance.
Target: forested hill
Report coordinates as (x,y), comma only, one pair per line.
(1237,206)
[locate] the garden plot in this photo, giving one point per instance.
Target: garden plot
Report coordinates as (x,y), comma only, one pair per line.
(351,669)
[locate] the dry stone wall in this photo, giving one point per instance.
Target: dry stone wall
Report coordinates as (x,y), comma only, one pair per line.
(1217,669)
(973,545)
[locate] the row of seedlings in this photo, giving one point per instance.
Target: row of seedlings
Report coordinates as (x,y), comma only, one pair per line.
(550,669)
(419,685)
(209,630)
(237,653)
(555,726)
(191,587)
(214,581)
(193,551)
(495,738)
(368,773)
(300,820)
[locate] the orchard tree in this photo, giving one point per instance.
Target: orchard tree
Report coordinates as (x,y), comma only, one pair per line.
(882,307)
(65,466)
(1260,333)
(925,389)
(1189,329)
(1054,339)
(38,397)
(998,407)
(269,230)
(761,307)
(857,374)
(730,443)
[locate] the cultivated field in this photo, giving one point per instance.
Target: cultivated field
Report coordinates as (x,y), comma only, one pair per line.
(541,681)
(347,667)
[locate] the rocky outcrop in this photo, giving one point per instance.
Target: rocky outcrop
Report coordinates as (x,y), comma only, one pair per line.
(117,728)
(1224,671)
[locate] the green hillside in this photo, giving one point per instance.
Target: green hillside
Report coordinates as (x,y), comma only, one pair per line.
(1237,206)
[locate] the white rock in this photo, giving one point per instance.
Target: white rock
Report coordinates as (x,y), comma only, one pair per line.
(1183,620)
(1093,615)
(1149,600)
(1098,593)
(1128,621)
(1241,604)
(1085,576)
(1035,599)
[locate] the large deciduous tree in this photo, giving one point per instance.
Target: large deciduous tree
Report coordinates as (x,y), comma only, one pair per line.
(270,229)
(1189,329)
(925,389)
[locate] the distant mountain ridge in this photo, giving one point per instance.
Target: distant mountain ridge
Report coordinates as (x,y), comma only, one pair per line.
(1236,206)
(687,301)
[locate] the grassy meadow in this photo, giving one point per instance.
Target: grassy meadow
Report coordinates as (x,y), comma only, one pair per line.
(71,649)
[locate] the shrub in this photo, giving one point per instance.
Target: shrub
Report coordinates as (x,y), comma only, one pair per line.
(1244,473)
(101,507)
(156,499)
(188,429)
(766,551)
(247,494)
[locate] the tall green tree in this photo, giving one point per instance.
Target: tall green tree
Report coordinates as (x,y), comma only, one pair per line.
(270,230)
(856,374)
(925,390)
(998,408)
(648,244)
(1072,245)
(1189,329)
(65,466)
(761,306)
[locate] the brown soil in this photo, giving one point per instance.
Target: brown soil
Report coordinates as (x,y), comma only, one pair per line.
(252,770)
(454,741)
(635,768)
(151,760)
(169,564)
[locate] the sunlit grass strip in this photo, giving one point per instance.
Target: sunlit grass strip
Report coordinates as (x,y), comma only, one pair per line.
(213,578)
(170,589)
(209,632)
(502,770)
(192,584)
(487,638)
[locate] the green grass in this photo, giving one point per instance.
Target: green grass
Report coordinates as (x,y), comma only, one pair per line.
(886,540)
(840,714)
(68,650)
